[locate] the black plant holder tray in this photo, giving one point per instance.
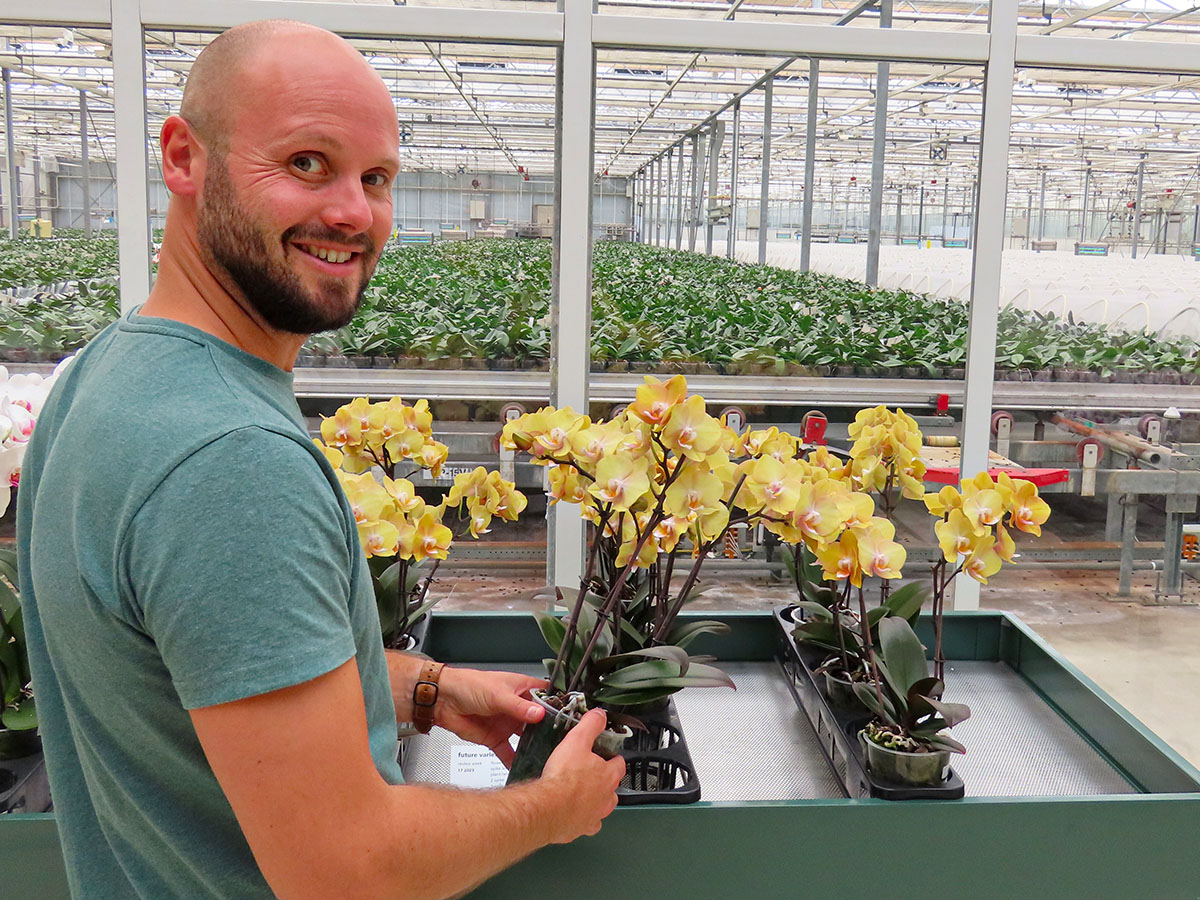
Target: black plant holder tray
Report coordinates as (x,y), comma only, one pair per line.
(24,787)
(657,754)
(837,730)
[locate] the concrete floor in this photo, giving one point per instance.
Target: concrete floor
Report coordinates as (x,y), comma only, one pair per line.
(1144,656)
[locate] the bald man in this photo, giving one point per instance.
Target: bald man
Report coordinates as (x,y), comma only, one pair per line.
(218,712)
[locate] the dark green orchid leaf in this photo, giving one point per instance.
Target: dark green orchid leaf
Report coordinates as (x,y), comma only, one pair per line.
(684,635)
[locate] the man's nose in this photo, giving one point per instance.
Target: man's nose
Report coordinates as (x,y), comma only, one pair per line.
(346,207)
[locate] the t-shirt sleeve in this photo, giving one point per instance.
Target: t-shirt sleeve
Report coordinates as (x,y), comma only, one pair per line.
(239,565)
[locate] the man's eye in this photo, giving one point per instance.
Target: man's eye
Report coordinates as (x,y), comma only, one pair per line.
(310,165)
(375,179)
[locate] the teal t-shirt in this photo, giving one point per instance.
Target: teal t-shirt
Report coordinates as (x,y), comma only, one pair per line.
(182,544)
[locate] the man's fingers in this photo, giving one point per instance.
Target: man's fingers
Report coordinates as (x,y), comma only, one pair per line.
(589,727)
(504,752)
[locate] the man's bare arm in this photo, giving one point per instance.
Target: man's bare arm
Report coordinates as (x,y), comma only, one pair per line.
(296,767)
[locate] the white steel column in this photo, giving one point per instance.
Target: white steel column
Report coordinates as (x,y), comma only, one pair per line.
(669,197)
(679,233)
(715,138)
(571,275)
(658,202)
(731,232)
(129,109)
(13,191)
(875,214)
(810,165)
(987,253)
(694,196)
(765,185)
(85,181)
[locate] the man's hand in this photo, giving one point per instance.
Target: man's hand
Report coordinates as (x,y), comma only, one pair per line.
(486,708)
(589,781)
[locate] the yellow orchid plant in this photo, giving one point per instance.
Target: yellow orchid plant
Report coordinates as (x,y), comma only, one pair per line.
(974,533)
(662,480)
(366,443)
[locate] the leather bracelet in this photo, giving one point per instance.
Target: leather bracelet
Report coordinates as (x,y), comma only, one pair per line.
(425,695)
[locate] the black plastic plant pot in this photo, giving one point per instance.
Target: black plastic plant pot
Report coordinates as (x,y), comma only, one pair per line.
(24,787)
(658,765)
(18,744)
(539,740)
(837,729)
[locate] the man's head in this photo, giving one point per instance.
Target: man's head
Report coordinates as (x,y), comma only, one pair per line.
(286,144)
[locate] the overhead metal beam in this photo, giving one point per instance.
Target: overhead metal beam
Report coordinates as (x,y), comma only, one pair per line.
(716,137)
(390,22)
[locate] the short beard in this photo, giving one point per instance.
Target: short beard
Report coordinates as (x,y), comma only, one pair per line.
(241,258)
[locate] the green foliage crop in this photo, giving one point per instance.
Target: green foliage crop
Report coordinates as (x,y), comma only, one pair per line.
(490,300)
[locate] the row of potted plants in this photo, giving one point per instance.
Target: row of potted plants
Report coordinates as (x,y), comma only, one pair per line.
(490,300)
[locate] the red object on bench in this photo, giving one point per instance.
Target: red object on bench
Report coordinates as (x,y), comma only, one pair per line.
(1040,477)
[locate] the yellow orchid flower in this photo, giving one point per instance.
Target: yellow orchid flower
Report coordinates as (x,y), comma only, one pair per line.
(379,538)
(690,431)
(982,563)
(1029,511)
(751,442)
(912,480)
(943,501)
(332,454)
(591,444)
(824,459)
(433,457)
(403,493)
(878,552)
(367,497)
(1005,546)
(1006,487)
(387,417)
(782,446)
(711,525)
(820,509)
(668,532)
(637,437)
(983,508)
(620,480)
(566,484)
(956,534)
(480,519)
(342,429)
(511,503)
(694,492)
(655,399)
(428,538)
(632,529)
(555,439)
(839,559)
(774,485)
(860,508)
(407,443)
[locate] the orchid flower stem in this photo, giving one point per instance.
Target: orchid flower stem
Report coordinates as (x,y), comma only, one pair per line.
(837,619)
(870,645)
(614,596)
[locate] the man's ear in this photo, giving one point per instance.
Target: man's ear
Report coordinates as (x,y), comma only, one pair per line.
(182,157)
